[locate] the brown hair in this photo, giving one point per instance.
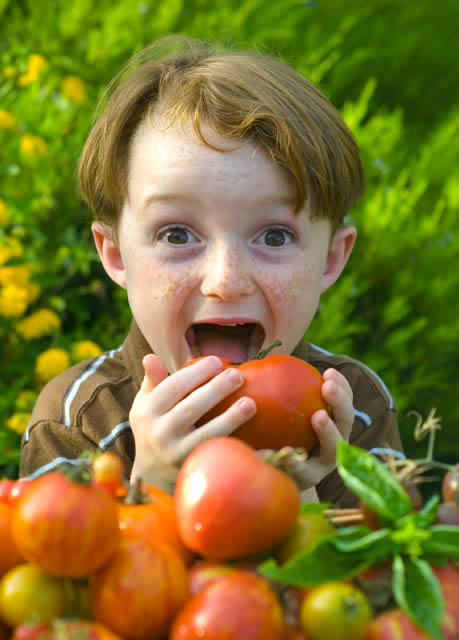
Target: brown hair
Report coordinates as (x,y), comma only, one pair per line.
(240,94)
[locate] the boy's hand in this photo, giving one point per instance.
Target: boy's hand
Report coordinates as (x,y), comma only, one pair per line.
(166,409)
(337,393)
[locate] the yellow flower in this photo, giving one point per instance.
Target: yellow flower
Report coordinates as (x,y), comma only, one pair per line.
(73,88)
(35,64)
(18,421)
(84,350)
(9,71)
(7,120)
(51,363)
(3,213)
(18,274)
(33,290)
(10,248)
(13,301)
(40,323)
(31,145)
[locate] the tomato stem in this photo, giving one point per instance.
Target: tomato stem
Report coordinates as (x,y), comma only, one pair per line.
(267,349)
(135,495)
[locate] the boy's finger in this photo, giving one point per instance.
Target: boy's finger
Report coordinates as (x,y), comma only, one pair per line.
(155,372)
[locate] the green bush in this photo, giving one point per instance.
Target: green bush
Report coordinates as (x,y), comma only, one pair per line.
(387,64)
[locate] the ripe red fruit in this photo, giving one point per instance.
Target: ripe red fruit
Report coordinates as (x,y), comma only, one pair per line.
(287,392)
(236,606)
(230,503)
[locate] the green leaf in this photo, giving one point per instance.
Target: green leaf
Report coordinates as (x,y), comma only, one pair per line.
(322,563)
(380,538)
(444,539)
(428,513)
(314,507)
(372,481)
(417,592)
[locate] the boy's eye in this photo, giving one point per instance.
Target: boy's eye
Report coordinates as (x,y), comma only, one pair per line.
(175,235)
(277,237)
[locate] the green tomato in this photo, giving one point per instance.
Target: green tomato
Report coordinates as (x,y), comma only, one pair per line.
(308,529)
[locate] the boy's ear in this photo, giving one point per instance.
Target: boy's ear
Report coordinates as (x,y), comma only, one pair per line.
(338,253)
(109,252)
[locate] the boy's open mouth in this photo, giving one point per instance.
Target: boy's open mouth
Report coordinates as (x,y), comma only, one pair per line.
(237,343)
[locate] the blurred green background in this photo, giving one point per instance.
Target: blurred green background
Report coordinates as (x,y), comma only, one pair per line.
(390,66)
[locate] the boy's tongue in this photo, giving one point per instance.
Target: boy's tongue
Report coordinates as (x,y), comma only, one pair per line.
(227,342)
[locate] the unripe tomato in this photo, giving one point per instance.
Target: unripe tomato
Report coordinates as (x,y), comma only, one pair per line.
(287,392)
(235,607)
(66,528)
(140,590)
(230,503)
(27,592)
(9,553)
(335,611)
(308,528)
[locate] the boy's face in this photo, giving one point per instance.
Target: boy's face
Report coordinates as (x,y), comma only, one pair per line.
(210,251)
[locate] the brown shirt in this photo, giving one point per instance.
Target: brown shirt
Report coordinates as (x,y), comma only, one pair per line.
(87,407)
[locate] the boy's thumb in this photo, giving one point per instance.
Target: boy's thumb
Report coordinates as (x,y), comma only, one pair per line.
(155,372)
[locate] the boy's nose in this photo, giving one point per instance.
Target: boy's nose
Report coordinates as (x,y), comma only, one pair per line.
(227,274)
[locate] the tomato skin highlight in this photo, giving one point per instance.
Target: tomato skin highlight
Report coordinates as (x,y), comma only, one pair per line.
(231,504)
(66,528)
(287,391)
(235,607)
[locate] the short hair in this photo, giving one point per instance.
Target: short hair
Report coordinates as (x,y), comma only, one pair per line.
(241,95)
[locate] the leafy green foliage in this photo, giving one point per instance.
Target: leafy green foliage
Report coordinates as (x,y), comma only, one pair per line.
(388,65)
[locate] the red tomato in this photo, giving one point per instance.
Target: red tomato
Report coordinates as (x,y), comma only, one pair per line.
(287,391)
(206,572)
(230,503)
(140,590)
(107,472)
(19,488)
(238,606)
(450,485)
(448,577)
(394,625)
(66,528)
(151,515)
(32,631)
(9,554)
(5,489)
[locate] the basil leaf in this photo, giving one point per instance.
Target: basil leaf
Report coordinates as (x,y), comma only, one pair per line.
(428,513)
(380,538)
(417,592)
(321,564)
(314,507)
(372,481)
(444,539)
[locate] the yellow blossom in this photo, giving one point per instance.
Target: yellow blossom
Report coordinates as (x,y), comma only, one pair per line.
(7,120)
(35,64)
(10,248)
(3,213)
(18,421)
(33,290)
(31,145)
(13,301)
(73,88)
(18,274)
(9,71)
(51,363)
(84,350)
(40,323)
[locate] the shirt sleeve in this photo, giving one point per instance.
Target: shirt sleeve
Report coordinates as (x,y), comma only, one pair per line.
(381,437)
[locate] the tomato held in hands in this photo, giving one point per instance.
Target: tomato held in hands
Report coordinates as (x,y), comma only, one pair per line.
(287,392)
(9,554)
(230,503)
(236,606)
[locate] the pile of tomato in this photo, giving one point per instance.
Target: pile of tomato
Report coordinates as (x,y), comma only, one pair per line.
(84,556)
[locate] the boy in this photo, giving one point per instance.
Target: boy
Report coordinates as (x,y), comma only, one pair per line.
(219,181)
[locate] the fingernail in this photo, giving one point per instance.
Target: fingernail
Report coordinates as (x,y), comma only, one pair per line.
(247,406)
(234,376)
(216,363)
